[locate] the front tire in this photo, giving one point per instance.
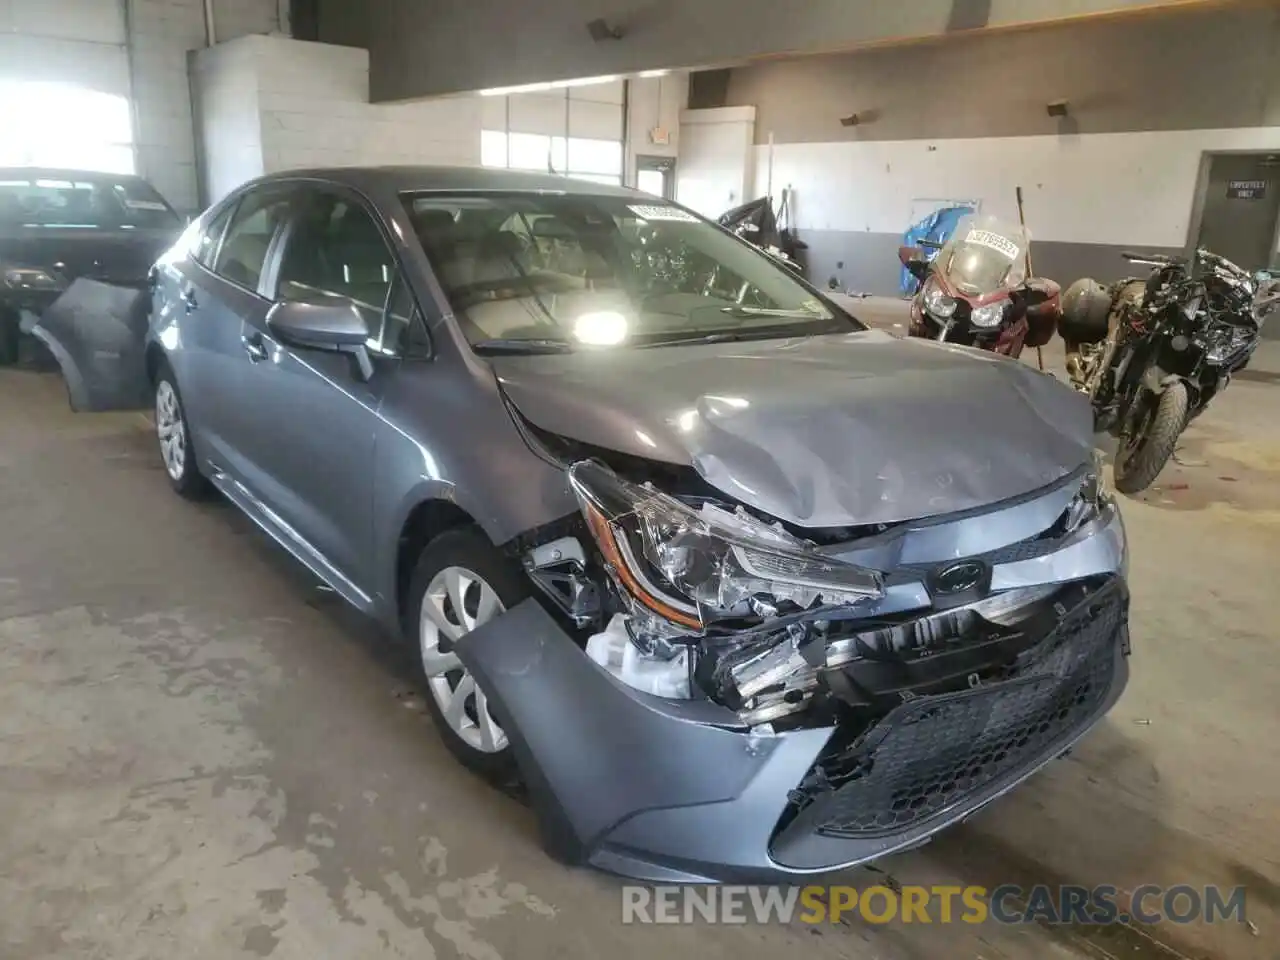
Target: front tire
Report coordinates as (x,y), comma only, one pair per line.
(1142,457)
(174,435)
(460,582)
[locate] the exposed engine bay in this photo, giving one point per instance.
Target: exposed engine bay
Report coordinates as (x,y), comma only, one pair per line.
(693,597)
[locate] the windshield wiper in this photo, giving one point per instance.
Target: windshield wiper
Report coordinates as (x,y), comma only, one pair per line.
(517,345)
(737,310)
(759,333)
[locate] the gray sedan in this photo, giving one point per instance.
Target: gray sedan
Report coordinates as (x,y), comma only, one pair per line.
(738,587)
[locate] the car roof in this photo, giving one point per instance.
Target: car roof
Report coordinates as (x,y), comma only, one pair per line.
(406,179)
(64,173)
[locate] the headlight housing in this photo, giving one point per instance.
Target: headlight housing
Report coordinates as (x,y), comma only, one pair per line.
(681,568)
(937,302)
(27,278)
(30,278)
(988,316)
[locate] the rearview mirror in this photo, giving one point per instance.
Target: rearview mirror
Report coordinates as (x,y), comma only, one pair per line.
(335,324)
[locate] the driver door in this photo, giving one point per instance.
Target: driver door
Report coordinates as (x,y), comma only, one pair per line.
(314,418)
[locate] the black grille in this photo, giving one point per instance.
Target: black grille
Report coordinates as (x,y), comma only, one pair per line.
(928,755)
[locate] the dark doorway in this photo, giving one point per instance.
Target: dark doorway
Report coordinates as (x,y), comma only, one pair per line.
(1241,208)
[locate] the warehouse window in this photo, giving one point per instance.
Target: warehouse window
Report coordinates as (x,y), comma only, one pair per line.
(46,124)
(581,158)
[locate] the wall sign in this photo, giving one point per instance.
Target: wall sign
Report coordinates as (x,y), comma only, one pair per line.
(1246,189)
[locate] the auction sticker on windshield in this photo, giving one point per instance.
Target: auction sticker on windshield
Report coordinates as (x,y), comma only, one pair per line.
(993,241)
(656,212)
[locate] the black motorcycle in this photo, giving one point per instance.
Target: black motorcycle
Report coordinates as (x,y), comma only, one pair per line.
(1152,353)
(756,223)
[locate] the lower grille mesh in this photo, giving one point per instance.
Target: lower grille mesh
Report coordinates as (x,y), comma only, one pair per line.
(928,755)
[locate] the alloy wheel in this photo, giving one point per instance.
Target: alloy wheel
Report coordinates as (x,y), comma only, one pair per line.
(171,430)
(457,601)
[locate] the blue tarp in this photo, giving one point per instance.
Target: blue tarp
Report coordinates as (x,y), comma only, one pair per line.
(936,227)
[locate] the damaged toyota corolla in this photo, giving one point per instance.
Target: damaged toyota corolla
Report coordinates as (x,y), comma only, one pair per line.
(736,586)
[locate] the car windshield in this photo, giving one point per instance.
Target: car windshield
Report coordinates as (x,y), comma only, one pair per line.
(90,201)
(528,272)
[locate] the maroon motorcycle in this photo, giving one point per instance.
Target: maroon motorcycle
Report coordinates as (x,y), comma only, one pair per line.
(976,291)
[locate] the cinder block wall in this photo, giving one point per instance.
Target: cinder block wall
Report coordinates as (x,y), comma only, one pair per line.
(161,32)
(270,103)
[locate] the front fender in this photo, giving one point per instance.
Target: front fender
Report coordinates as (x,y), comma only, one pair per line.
(97,334)
(1157,380)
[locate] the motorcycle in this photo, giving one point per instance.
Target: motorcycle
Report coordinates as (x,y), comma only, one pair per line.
(976,291)
(1151,354)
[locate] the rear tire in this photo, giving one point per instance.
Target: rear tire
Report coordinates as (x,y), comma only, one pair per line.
(174,435)
(1140,460)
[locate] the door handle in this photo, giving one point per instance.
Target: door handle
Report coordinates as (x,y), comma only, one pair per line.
(189,299)
(254,347)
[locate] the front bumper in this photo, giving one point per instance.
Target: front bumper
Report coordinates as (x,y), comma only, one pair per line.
(680,791)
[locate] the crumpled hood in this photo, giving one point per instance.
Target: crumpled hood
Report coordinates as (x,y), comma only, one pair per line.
(827,431)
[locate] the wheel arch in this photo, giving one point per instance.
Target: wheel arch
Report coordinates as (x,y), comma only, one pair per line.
(429,517)
(153,358)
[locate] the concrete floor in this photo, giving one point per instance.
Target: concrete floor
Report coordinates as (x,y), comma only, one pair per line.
(202,756)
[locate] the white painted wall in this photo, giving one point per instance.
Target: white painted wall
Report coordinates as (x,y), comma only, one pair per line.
(271,103)
(717,163)
(1123,188)
(230,132)
(314,99)
(161,34)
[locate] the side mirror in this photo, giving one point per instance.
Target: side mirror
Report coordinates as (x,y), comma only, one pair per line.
(336,325)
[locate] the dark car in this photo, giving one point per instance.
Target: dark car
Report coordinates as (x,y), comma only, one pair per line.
(75,248)
(739,587)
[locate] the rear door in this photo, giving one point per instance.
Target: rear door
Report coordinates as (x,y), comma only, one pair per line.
(214,292)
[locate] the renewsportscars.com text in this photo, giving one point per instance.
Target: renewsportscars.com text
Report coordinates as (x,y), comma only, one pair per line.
(1147,904)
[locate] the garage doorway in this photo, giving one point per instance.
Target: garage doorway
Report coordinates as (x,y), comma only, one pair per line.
(1240,219)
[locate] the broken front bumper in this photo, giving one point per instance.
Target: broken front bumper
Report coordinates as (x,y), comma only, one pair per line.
(676,791)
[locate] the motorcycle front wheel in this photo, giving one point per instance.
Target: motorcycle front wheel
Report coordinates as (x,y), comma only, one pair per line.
(1148,447)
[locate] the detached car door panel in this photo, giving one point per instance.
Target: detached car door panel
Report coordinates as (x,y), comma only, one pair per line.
(209,299)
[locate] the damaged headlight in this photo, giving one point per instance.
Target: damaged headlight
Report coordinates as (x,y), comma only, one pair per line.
(690,567)
(1090,500)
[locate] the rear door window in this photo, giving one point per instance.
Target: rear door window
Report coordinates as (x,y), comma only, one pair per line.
(207,246)
(248,237)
